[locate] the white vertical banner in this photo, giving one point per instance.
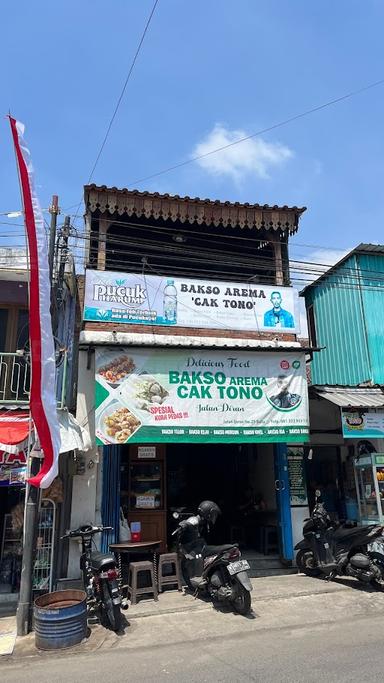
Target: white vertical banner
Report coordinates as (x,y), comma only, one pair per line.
(43,395)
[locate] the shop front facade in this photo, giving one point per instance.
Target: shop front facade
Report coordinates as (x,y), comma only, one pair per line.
(17,434)
(346,396)
(347,451)
(192,383)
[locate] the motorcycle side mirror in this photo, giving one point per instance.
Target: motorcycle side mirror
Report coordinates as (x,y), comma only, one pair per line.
(175,515)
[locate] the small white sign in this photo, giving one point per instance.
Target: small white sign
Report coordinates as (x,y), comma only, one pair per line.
(146,452)
(145,501)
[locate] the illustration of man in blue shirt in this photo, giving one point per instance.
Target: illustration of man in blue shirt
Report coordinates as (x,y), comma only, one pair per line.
(277,316)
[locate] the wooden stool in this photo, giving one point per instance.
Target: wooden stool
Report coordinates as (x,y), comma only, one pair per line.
(270,539)
(174,578)
(135,568)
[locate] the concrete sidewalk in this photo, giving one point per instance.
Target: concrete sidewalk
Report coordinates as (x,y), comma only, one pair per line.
(264,588)
(278,602)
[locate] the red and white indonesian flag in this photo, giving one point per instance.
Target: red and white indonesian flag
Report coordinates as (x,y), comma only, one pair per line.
(43,396)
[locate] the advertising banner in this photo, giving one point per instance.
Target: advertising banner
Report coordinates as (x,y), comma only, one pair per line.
(187,395)
(153,300)
(363,425)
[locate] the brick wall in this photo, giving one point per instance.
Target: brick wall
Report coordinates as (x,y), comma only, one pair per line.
(186,331)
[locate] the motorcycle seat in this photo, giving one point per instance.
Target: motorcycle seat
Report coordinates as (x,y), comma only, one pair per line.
(99,560)
(218,549)
(342,533)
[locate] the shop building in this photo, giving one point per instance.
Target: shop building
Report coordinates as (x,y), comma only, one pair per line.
(16,433)
(346,395)
(192,381)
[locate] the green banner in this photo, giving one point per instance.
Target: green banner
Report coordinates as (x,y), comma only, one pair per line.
(200,396)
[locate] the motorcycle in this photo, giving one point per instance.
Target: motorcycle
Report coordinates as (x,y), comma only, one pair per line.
(100,578)
(331,550)
(216,570)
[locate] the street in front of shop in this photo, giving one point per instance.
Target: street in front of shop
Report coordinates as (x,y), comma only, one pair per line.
(290,603)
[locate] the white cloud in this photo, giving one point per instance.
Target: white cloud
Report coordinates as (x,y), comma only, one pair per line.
(326,257)
(316,263)
(251,157)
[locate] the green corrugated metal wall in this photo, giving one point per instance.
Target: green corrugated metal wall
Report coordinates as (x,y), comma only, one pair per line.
(371,268)
(337,305)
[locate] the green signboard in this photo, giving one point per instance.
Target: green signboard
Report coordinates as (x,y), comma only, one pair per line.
(186,395)
(296,471)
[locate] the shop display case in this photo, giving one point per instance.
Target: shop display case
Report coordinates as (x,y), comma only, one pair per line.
(12,542)
(146,495)
(10,557)
(42,571)
(146,485)
(369,479)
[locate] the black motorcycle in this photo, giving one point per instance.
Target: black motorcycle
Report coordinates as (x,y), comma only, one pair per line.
(100,578)
(329,549)
(216,570)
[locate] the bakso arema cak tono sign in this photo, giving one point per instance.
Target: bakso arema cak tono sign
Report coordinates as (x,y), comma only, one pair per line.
(153,396)
(153,300)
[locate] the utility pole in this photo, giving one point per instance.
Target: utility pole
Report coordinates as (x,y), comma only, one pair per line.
(62,251)
(32,493)
(54,210)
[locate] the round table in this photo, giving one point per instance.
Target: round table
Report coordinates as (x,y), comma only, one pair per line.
(134,547)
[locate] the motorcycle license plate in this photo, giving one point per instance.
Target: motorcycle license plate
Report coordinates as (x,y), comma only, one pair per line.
(239,566)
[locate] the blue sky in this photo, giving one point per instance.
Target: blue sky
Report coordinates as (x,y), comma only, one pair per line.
(208,72)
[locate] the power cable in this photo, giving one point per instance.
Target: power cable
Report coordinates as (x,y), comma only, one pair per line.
(202,234)
(187,251)
(261,132)
(311,267)
(119,100)
(280,124)
(318,269)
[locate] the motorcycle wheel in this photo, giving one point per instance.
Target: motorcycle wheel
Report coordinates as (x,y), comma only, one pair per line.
(378,560)
(242,603)
(306,563)
(111,612)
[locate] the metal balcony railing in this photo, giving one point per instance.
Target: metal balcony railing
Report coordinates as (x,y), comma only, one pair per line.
(15,379)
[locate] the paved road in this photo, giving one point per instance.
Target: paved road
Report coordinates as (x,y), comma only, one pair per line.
(302,630)
(336,651)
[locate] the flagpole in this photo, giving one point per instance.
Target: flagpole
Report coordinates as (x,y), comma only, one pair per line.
(42,405)
(32,494)
(31,517)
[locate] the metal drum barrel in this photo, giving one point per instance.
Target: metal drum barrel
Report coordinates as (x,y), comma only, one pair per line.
(60,619)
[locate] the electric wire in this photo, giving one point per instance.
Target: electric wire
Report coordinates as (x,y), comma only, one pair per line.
(311,269)
(119,100)
(285,122)
(268,129)
(263,262)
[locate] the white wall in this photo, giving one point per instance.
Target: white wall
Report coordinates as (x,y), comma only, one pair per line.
(86,492)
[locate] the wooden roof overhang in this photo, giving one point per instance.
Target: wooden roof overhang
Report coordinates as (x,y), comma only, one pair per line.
(112,202)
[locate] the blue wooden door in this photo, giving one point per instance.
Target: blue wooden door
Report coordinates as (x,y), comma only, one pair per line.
(283,501)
